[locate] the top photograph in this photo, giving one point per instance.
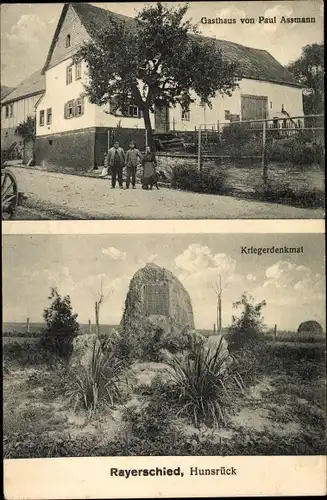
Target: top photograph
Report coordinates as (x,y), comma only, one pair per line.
(205,110)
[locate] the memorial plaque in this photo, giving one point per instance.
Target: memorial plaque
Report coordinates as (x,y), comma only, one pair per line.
(156,299)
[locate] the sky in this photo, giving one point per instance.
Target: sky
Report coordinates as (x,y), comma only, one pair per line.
(292,285)
(27,29)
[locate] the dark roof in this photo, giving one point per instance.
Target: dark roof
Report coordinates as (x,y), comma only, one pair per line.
(254,63)
(5,90)
(34,84)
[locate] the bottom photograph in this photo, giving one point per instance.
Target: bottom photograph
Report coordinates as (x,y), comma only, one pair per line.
(163,345)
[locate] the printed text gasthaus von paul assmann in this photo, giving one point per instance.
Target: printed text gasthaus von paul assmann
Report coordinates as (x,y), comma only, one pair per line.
(258,20)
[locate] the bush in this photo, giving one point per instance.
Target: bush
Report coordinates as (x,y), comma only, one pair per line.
(236,135)
(61,325)
(248,330)
(307,361)
(280,192)
(28,354)
(298,150)
(189,178)
(204,383)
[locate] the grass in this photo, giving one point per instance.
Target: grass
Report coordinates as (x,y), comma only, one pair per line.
(97,383)
(281,410)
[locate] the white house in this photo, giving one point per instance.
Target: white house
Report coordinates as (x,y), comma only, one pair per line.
(16,107)
(73,133)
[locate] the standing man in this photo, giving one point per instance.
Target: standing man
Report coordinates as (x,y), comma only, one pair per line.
(133,159)
(116,160)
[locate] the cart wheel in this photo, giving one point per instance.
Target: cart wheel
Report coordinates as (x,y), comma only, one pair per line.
(9,194)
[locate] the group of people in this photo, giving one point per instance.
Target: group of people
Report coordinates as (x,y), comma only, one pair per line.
(117,159)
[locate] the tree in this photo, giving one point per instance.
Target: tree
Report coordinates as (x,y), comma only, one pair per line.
(61,324)
(218,289)
(100,298)
(247,330)
(309,71)
(27,130)
(155,61)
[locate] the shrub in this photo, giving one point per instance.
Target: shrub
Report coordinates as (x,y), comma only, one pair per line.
(205,382)
(189,178)
(281,192)
(61,325)
(248,330)
(236,135)
(97,383)
(298,150)
(26,354)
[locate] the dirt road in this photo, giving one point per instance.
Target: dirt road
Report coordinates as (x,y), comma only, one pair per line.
(63,196)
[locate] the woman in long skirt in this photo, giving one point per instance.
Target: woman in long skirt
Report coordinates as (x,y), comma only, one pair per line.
(149,163)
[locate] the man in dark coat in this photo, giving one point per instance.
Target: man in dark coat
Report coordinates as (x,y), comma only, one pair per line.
(116,162)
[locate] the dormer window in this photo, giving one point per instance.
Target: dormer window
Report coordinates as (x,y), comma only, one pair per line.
(68,41)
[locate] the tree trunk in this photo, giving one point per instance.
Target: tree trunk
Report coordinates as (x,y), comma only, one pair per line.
(219,315)
(148,127)
(97,323)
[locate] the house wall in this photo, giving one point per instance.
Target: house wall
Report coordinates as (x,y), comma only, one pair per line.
(57,94)
(103,119)
(22,108)
(66,151)
(278,96)
(71,26)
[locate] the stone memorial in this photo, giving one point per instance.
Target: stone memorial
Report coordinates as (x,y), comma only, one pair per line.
(156,295)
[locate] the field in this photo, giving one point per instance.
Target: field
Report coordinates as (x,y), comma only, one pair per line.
(280,411)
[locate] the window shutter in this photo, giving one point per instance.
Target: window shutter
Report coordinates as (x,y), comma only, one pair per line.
(66,75)
(75,107)
(65,110)
(82,106)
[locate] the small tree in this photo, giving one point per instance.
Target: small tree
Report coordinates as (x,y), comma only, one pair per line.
(218,289)
(155,61)
(27,130)
(247,330)
(61,324)
(99,300)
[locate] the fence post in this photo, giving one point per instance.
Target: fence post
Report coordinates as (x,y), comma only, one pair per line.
(275,332)
(90,326)
(28,324)
(263,159)
(199,149)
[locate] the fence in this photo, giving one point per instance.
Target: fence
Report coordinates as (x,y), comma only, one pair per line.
(260,139)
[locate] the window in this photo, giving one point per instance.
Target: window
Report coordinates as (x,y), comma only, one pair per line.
(41,117)
(78,70)
(9,110)
(227,114)
(79,106)
(186,115)
(69,109)
(133,111)
(49,116)
(69,74)
(68,41)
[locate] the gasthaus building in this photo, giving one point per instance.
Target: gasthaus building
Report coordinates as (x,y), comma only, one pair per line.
(73,133)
